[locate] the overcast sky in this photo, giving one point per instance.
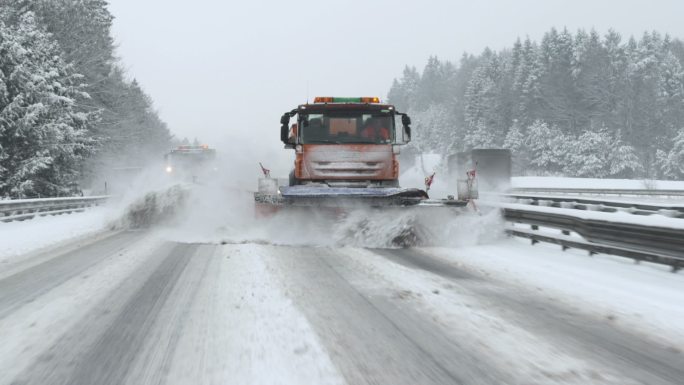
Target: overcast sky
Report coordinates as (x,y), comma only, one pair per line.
(226,70)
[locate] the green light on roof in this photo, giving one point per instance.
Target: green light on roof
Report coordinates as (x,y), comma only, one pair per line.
(346,100)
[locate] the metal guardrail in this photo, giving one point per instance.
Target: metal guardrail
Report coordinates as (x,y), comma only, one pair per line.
(603,205)
(650,243)
(597,191)
(24,209)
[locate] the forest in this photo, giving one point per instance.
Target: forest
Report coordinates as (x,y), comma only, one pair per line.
(573,104)
(68,109)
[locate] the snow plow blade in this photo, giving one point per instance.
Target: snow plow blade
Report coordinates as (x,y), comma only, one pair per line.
(344,197)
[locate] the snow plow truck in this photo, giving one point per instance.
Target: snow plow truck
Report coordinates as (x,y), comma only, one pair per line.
(346,156)
(190,163)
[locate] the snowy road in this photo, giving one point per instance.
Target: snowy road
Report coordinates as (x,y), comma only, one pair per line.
(133,308)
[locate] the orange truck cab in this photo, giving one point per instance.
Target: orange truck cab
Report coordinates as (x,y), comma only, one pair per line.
(345,142)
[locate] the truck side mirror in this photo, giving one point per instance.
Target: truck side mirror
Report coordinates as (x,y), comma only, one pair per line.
(284,129)
(406,123)
(405,120)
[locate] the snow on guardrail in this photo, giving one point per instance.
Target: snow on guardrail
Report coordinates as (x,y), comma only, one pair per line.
(25,209)
(601,191)
(652,238)
(632,206)
(594,183)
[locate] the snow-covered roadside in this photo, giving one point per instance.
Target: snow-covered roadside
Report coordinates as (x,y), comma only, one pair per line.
(594,183)
(19,238)
(646,298)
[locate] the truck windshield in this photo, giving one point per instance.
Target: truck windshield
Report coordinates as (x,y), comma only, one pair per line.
(337,127)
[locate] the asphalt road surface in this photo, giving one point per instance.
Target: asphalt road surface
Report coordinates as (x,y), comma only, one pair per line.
(132,308)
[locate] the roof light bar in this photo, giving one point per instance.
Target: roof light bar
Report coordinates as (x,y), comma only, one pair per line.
(323,99)
(330,99)
(370,99)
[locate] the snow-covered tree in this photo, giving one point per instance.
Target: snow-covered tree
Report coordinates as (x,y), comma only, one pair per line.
(403,91)
(548,146)
(627,93)
(43,133)
(623,161)
(129,130)
(520,152)
(434,86)
(431,127)
(672,162)
(482,137)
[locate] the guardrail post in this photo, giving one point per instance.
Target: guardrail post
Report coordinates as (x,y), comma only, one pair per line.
(532,240)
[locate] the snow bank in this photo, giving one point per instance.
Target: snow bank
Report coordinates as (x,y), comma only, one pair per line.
(645,297)
(594,183)
(18,238)
(655,220)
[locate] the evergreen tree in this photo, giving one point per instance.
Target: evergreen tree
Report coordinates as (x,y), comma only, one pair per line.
(623,160)
(480,136)
(485,99)
(403,92)
(515,141)
(583,87)
(74,37)
(430,126)
(42,131)
(549,148)
(432,87)
(672,162)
